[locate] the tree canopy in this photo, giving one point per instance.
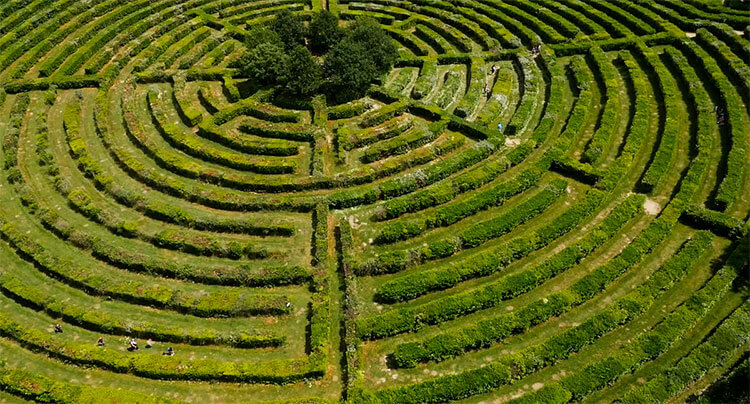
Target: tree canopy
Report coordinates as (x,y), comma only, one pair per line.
(322,56)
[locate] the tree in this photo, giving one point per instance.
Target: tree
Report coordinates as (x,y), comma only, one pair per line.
(259,34)
(350,68)
(324,31)
(266,63)
(305,75)
(290,29)
(379,45)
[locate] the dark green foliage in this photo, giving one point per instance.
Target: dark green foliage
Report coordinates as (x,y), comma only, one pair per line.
(350,69)
(323,31)
(305,75)
(267,63)
(733,389)
(380,49)
(355,57)
(290,29)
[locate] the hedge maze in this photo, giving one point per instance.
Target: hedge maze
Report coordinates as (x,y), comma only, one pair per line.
(544,201)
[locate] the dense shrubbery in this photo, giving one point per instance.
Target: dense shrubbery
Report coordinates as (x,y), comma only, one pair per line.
(351,57)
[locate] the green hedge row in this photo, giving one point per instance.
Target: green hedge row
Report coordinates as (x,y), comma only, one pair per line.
(726,35)
(200,51)
(62,83)
(493,228)
(14,13)
(341,199)
(38,39)
(524,362)
(644,105)
(719,223)
(177,137)
(468,28)
(160,210)
(280,371)
(104,321)
(94,18)
(556,75)
(447,308)
(669,94)
(10,140)
(722,66)
(177,240)
(445,31)
(471,100)
(554,20)
(227,303)
(380,115)
(608,23)
(652,343)
(447,191)
(252,107)
(731,335)
(432,38)
(406,40)
(39,388)
(451,213)
(245,274)
(571,167)
(601,139)
(685,9)
(404,77)
(583,105)
(189,113)
(650,18)
(426,81)
(698,97)
(115,23)
(436,172)
(632,22)
(349,110)
(159,47)
(395,322)
(159,22)
(506,370)
(177,163)
(730,388)
(410,139)
(531,80)
(414,285)
(526,25)
(217,54)
(381,18)
(386,130)
(499,98)
(449,90)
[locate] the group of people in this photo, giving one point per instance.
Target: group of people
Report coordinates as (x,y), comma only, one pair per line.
(720,115)
(133,344)
(149,344)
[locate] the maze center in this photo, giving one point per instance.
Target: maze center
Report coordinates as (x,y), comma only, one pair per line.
(543,201)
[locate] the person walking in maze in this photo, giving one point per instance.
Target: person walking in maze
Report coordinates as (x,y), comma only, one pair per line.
(100,342)
(58,328)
